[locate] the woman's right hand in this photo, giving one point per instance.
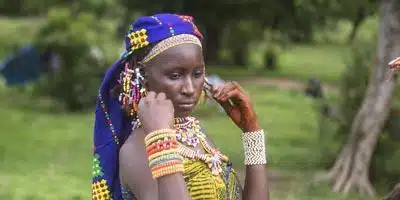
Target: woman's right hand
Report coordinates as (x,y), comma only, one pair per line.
(156,112)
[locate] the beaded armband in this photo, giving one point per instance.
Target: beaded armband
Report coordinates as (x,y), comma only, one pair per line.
(254,148)
(162,151)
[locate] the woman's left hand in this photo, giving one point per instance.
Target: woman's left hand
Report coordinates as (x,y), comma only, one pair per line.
(237,105)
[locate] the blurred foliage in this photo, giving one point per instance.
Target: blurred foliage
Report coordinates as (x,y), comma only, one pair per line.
(25,7)
(234,31)
(354,81)
(334,132)
(295,19)
(73,37)
(41,7)
(354,84)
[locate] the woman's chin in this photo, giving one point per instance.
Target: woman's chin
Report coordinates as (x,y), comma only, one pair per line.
(184,112)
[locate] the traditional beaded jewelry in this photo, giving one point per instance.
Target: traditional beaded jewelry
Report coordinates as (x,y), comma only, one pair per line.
(162,151)
(254,148)
(214,161)
(189,134)
(133,89)
(171,42)
(188,131)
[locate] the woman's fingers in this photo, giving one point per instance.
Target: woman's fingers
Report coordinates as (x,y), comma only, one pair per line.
(232,94)
(226,106)
(221,90)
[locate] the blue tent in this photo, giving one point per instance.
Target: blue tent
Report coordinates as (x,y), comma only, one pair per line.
(21,67)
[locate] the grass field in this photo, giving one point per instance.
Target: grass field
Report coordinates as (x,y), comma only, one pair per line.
(299,62)
(47,156)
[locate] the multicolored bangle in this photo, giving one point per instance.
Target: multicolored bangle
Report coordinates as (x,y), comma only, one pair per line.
(254,148)
(162,152)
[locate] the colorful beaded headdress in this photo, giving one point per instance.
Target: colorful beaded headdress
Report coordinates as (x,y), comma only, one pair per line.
(112,125)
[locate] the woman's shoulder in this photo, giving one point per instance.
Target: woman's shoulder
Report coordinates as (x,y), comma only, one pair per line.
(134,141)
(133,153)
(133,162)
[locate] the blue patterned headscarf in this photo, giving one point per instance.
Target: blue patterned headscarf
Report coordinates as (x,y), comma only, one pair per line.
(112,126)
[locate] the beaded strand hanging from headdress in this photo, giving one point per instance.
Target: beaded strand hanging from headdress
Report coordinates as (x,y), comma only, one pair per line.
(132,82)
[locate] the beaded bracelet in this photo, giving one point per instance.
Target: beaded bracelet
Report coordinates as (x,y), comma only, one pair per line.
(162,152)
(156,135)
(163,144)
(254,148)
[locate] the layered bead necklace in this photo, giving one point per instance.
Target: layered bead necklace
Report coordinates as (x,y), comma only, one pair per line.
(190,135)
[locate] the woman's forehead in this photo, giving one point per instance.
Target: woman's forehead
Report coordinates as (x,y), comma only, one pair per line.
(180,55)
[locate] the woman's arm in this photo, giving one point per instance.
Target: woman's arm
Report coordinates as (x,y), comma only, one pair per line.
(256,181)
(238,107)
(157,163)
(256,177)
(172,187)
(137,177)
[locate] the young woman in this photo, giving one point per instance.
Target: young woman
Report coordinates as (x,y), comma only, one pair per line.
(147,146)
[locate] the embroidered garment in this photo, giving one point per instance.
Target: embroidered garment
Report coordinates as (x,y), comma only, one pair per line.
(204,185)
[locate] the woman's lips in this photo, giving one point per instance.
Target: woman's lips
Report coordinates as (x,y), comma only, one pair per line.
(186,105)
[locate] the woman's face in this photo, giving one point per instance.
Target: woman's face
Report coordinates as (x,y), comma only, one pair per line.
(179,73)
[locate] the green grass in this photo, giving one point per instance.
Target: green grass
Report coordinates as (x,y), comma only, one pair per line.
(325,62)
(300,62)
(48,156)
(324,59)
(274,113)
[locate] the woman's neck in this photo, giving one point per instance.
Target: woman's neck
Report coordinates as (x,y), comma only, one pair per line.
(182,120)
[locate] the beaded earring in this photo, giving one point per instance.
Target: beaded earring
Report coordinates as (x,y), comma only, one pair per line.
(133,89)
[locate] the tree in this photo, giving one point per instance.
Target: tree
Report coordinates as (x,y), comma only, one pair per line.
(356,12)
(351,168)
(394,194)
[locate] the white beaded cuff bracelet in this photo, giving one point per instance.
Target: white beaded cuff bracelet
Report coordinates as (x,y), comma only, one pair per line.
(254,148)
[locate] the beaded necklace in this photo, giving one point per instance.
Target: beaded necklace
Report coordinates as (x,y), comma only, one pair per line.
(188,131)
(189,134)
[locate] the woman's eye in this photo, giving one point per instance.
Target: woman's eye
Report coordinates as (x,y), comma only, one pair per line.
(174,76)
(198,74)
